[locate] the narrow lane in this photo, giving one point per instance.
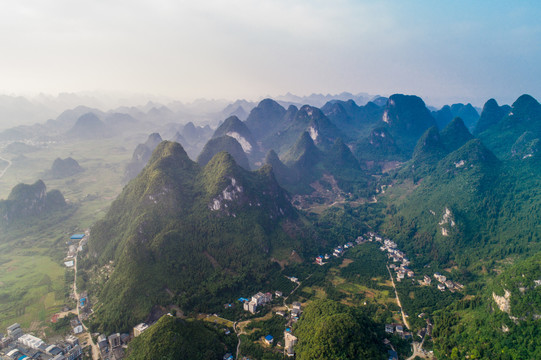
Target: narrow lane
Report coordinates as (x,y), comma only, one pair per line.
(398,299)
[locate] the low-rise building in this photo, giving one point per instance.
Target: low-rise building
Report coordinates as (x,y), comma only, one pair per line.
(102,342)
(441,287)
(269,339)
(139,328)
(15,331)
(74,353)
(290,342)
(31,341)
(114,340)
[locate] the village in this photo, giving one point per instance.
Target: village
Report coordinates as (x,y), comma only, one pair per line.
(17,345)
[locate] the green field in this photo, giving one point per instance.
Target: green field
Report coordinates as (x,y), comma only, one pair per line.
(33,279)
(32,289)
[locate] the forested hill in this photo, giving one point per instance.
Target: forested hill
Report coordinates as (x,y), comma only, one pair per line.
(27,202)
(190,235)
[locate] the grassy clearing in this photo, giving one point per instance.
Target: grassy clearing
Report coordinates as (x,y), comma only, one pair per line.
(218,320)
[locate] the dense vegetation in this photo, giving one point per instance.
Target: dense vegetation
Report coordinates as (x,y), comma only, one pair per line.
(331,330)
(476,327)
(201,235)
(27,203)
(197,237)
(172,338)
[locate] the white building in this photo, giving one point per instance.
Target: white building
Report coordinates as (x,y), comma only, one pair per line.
(138,329)
(31,341)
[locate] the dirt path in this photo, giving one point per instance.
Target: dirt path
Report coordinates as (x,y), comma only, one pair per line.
(398,299)
(6,168)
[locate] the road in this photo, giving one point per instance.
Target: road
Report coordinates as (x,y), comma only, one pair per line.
(398,299)
(94,347)
(6,168)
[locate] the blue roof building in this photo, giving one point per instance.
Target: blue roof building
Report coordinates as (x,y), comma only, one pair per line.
(269,339)
(77,236)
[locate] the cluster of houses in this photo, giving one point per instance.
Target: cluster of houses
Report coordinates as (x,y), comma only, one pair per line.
(445,283)
(339,250)
(113,346)
(259,299)
(16,345)
(75,243)
(396,256)
(397,329)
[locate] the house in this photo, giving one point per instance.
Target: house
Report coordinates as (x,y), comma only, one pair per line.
(400,329)
(441,287)
(252,306)
(295,313)
(15,354)
(327,256)
(72,340)
(31,341)
(78,329)
(114,340)
(319,260)
(449,284)
(290,342)
(392,355)
(278,293)
(102,342)
(74,353)
(228,356)
(296,305)
(258,298)
(15,331)
(441,278)
(410,273)
(427,279)
(138,329)
(269,339)
(280,313)
(389,328)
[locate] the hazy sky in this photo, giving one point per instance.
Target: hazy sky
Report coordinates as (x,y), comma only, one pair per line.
(443,51)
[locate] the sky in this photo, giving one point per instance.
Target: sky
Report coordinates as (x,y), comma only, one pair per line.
(443,51)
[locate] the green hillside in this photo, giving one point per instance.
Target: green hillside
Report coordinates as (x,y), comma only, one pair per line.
(172,338)
(194,236)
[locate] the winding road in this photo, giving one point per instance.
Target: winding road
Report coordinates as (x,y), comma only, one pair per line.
(6,168)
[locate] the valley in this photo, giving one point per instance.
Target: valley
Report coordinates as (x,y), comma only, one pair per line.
(382,230)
